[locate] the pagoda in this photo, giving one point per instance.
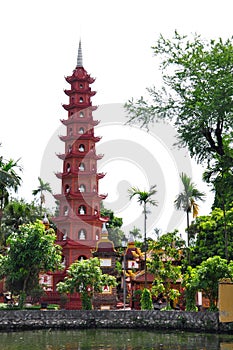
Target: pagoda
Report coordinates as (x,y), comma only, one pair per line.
(79,223)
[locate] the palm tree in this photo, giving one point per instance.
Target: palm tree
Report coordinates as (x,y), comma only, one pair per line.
(43,187)
(9,180)
(186,200)
(144,198)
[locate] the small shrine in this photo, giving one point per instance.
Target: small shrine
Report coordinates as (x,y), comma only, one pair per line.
(107,254)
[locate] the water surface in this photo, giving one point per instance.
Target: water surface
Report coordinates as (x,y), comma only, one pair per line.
(117,339)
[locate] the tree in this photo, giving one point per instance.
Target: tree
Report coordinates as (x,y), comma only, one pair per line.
(86,278)
(43,187)
(208,233)
(165,264)
(144,198)
(190,283)
(135,233)
(16,213)
(196,93)
(9,180)
(146,300)
(208,275)
(186,200)
(220,175)
(31,251)
(115,234)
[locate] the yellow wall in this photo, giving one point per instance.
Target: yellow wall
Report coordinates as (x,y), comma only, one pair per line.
(225,302)
(226,346)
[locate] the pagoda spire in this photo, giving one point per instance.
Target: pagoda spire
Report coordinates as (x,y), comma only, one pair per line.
(80,55)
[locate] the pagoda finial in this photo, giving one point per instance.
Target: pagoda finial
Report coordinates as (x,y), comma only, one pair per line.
(80,55)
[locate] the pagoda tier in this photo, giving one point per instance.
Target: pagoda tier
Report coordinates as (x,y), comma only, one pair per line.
(73,91)
(80,74)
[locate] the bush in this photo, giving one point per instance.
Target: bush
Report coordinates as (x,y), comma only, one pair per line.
(146,300)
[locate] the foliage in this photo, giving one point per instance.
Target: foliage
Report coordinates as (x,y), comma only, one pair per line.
(31,251)
(208,275)
(43,187)
(191,286)
(146,300)
(144,198)
(220,175)
(9,180)
(165,264)
(196,93)
(16,213)
(115,234)
(209,234)
(135,233)
(86,278)
(36,294)
(186,200)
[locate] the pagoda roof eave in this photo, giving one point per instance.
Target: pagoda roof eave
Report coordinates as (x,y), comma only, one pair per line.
(85,218)
(85,91)
(72,173)
(76,105)
(79,120)
(79,155)
(79,137)
(71,243)
(73,195)
(85,77)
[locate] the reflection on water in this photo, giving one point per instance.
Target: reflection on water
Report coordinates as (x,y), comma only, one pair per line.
(117,339)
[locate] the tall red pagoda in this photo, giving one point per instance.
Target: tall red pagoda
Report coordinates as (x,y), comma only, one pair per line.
(79,223)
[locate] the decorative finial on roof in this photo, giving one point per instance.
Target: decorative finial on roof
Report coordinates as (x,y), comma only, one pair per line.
(80,55)
(104,228)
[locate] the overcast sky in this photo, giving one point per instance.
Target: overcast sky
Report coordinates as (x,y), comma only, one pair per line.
(39,44)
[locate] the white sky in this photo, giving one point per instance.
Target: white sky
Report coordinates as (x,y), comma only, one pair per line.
(39,43)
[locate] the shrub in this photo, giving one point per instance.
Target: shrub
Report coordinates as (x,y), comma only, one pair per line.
(146,300)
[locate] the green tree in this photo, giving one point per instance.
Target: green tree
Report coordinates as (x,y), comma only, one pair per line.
(144,198)
(196,93)
(135,232)
(43,187)
(115,234)
(186,200)
(190,283)
(165,264)
(9,180)
(146,300)
(31,251)
(208,275)
(16,213)
(208,233)
(220,175)
(86,278)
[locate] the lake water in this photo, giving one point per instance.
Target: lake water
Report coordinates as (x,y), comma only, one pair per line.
(117,339)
